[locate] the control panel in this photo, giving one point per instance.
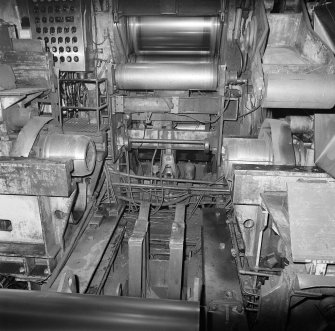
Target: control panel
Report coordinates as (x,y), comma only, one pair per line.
(61,24)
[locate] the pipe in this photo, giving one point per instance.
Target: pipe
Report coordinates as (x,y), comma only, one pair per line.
(312,91)
(166,141)
(300,124)
(177,188)
(152,35)
(34,310)
(166,76)
(175,180)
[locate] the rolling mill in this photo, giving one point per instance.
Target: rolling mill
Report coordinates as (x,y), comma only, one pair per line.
(167,165)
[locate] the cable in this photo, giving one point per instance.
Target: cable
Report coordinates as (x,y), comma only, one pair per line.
(160,175)
(199,200)
(119,154)
(242,59)
(99,44)
(203,122)
(249,112)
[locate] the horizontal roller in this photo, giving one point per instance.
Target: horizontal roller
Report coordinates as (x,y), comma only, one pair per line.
(35,310)
(303,91)
(149,35)
(173,59)
(166,76)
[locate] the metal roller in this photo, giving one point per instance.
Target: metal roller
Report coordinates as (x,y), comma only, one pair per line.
(33,310)
(78,148)
(151,35)
(173,59)
(166,76)
(306,91)
(251,150)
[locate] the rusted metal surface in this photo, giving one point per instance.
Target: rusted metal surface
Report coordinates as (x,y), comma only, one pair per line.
(193,105)
(25,221)
(71,245)
(28,45)
(31,68)
(222,294)
(88,252)
(35,177)
(284,29)
(35,233)
(311,212)
(298,67)
(176,244)
(138,253)
(100,276)
(252,180)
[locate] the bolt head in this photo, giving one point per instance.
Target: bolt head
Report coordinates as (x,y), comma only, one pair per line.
(222,245)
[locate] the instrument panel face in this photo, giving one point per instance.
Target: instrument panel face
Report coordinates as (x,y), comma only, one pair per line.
(61,25)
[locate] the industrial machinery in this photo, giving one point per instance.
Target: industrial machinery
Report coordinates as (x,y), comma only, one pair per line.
(167,165)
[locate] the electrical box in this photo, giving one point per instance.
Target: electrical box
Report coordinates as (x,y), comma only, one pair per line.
(65,27)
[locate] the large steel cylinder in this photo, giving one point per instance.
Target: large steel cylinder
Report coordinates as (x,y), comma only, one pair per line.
(166,76)
(248,150)
(80,149)
(300,124)
(307,91)
(173,35)
(34,310)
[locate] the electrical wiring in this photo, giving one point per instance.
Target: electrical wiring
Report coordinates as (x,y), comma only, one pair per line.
(160,175)
(155,204)
(176,180)
(100,43)
(199,201)
(249,112)
(119,153)
(132,192)
(200,121)
(242,59)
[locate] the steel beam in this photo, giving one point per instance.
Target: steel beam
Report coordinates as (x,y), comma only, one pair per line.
(35,177)
(209,104)
(175,272)
(222,293)
(138,253)
(179,139)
